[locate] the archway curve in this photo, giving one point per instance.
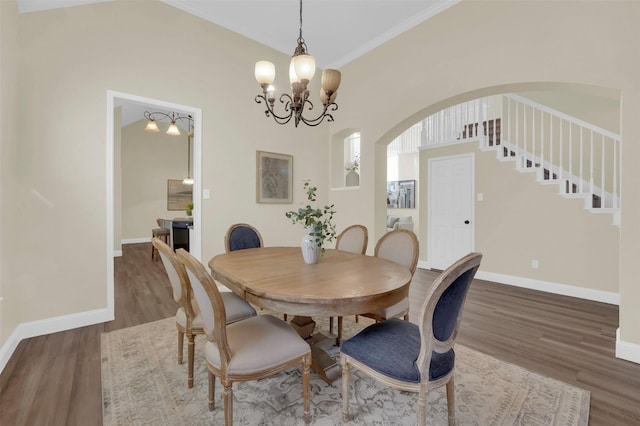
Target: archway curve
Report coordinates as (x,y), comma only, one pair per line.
(380,206)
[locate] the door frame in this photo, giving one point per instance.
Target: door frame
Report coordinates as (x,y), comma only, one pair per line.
(195,247)
(430,236)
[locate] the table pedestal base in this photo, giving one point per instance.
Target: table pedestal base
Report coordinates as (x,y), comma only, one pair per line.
(324,349)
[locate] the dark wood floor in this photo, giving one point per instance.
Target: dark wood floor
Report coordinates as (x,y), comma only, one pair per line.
(55,379)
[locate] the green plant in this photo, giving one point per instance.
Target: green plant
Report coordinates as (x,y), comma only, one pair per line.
(189,209)
(319,221)
(354,165)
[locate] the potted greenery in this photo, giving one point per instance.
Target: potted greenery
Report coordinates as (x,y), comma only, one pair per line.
(319,225)
(189,209)
(352,177)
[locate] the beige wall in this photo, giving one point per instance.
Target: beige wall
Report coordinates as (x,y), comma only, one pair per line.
(508,46)
(68,58)
(148,160)
(520,220)
(9,209)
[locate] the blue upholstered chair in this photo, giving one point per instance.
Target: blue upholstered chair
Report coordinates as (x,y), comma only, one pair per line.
(188,319)
(242,236)
(353,239)
(251,349)
(410,357)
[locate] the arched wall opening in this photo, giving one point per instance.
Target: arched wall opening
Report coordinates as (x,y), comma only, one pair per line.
(541,237)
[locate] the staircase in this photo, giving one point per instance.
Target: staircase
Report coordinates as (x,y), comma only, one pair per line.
(583,160)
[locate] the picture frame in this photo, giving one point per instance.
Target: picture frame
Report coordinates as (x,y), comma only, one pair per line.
(274,177)
(179,195)
(401,194)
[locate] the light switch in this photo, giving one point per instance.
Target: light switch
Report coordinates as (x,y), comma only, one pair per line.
(480,196)
(205,194)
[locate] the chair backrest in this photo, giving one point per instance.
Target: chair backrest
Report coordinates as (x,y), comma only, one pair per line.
(163,223)
(210,304)
(353,239)
(242,236)
(175,270)
(399,246)
(442,309)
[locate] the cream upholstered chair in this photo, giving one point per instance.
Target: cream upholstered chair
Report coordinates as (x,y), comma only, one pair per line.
(399,246)
(188,320)
(242,236)
(251,349)
(353,239)
(427,358)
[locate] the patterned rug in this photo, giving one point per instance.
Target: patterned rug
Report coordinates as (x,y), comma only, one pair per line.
(142,384)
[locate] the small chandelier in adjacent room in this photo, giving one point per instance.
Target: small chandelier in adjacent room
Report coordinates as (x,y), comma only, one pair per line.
(301,71)
(173,130)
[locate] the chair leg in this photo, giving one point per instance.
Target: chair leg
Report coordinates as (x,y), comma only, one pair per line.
(406,316)
(228,403)
(339,331)
(212,391)
(451,402)
(180,344)
(345,388)
(306,387)
(422,405)
(330,325)
(190,359)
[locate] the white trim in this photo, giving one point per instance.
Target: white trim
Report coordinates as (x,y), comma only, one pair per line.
(195,246)
(109,182)
(136,240)
(437,7)
(117,253)
(550,287)
(546,286)
(626,350)
(29,329)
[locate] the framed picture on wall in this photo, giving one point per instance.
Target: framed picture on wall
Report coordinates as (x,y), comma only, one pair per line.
(274,177)
(179,195)
(401,194)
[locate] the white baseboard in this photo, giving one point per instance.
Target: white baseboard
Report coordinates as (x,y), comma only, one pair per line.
(550,287)
(626,350)
(546,286)
(136,240)
(117,253)
(26,330)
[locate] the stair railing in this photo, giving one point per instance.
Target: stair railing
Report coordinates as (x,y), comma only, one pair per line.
(583,158)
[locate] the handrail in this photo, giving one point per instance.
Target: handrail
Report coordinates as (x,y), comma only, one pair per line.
(583,158)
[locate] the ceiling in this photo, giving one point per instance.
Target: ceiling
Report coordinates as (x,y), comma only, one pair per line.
(336,31)
(328,26)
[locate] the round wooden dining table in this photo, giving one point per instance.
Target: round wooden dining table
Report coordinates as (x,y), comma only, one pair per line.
(340,284)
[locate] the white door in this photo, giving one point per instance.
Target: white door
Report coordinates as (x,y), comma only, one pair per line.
(450,230)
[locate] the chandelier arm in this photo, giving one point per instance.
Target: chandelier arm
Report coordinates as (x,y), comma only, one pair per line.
(323,115)
(174,116)
(271,112)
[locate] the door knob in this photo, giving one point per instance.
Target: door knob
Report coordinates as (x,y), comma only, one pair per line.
(466,222)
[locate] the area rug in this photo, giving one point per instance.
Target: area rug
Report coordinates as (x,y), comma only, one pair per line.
(142,384)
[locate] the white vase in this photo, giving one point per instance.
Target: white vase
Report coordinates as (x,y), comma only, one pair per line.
(310,249)
(353,178)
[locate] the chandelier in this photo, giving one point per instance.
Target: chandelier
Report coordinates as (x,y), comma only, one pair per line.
(173,130)
(301,71)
